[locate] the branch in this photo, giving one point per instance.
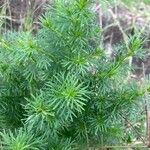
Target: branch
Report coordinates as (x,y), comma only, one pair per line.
(133,128)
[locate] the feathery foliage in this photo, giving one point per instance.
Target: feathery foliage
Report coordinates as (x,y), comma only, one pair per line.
(58,89)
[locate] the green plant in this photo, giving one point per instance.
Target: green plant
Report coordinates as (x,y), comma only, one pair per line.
(21,140)
(61,87)
(128,2)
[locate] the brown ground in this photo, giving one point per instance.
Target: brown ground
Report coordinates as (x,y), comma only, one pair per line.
(19,11)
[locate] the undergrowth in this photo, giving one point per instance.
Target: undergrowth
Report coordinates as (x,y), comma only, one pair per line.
(59,90)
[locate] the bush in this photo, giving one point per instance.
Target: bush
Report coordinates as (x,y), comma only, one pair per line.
(59,89)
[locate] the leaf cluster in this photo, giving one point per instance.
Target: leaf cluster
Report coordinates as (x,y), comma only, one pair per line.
(58,89)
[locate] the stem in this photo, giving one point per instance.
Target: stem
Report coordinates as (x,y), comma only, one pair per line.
(122,147)
(133,128)
(87,137)
(147,112)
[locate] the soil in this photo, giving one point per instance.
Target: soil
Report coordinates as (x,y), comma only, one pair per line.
(18,11)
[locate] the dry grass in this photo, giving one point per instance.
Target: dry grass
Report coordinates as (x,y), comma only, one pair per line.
(20,14)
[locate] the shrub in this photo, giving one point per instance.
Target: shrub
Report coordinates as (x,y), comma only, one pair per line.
(60,88)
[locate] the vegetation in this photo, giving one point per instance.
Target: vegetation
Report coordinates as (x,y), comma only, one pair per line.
(136,1)
(59,90)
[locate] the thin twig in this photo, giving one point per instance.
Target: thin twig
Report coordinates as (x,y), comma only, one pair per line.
(87,137)
(147,112)
(133,128)
(130,146)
